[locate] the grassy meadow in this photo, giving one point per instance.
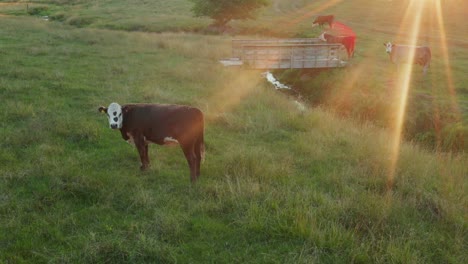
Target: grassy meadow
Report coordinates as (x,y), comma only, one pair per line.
(279,185)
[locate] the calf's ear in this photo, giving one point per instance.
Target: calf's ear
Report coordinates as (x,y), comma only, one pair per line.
(102,109)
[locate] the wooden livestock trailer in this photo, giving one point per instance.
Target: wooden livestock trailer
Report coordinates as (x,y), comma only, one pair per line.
(286,54)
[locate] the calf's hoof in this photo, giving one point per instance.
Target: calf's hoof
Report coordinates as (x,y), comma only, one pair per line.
(144,167)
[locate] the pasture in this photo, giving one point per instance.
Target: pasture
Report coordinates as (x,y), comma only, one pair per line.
(279,185)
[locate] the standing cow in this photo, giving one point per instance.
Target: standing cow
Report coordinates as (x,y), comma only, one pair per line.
(347,41)
(320,20)
(161,124)
(401,54)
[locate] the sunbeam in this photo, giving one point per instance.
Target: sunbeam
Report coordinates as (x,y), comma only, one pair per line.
(446,60)
(237,85)
(412,19)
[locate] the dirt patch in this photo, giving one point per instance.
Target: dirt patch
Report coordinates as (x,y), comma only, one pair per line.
(10,4)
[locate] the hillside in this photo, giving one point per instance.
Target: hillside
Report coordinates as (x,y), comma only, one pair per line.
(369,90)
(279,185)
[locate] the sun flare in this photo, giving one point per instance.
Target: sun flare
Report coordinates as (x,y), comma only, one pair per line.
(420,23)
(412,18)
(411,25)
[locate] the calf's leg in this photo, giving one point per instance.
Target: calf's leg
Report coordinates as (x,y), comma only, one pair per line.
(189,152)
(142,148)
(425,68)
(198,154)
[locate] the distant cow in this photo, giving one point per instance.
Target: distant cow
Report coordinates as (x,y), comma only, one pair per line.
(320,20)
(161,124)
(347,41)
(401,54)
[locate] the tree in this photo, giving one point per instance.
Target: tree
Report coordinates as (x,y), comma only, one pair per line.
(223,11)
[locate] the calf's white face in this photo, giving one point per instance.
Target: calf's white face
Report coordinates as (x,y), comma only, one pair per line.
(114,113)
(322,37)
(388,47)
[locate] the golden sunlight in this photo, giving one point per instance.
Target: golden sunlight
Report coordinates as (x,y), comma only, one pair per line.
(422,20)
(411,21)
(236,87)
(445,57)
(418,12)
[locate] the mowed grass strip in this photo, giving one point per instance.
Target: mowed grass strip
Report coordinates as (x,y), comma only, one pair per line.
(278,185)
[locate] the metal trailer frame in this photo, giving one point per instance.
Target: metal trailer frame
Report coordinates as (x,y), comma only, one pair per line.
(286,54)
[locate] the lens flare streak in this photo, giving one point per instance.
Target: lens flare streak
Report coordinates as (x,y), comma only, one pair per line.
(413,19)
(445,57)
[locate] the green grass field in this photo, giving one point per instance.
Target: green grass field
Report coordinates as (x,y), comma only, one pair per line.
(279,185)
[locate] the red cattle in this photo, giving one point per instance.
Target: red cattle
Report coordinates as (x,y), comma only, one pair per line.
(320,20)
(347,41)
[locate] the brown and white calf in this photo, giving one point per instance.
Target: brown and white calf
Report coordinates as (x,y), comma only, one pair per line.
(401,54)
(162,124)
